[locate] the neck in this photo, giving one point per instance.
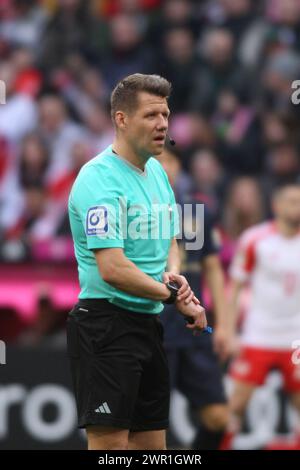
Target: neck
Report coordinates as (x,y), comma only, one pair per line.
(287,230)
(125,151)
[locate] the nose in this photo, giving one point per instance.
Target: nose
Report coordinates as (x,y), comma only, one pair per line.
(162,124)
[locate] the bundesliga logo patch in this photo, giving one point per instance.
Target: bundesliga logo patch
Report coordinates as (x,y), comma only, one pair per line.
(96,221)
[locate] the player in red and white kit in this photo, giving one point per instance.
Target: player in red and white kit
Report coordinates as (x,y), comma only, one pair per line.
(268,257)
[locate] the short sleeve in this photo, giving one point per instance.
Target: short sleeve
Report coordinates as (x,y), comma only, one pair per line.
(244,260)
(101,210)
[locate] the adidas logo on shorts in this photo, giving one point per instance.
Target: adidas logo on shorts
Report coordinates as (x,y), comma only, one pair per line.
(104,408)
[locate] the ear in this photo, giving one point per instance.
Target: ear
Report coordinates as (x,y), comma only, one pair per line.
(120,119)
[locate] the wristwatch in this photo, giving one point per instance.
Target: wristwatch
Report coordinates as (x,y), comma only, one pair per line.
(173,287)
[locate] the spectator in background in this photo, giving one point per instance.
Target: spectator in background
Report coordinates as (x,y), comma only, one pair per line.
(20,103)
(22,59)
(6,177)
(5,9)
(5,159)
(85,91)
(178,64)
(180,180)
(25,24)
(239,15)
(34,234)
(220,70)
(248,29)
(59,189)
(174,14)
(59,133)
(110,8)
(29,169)
(284,29)
(34,161)
(208,179)
(99,129)
(278,128)
(73,28)
(18,238)
(13,126)
(69,74)
(128,52)
(191,132)
(280,71)
(48,329)
(238,134)
(283,163)
(41,214)
(135,8)
(244,207)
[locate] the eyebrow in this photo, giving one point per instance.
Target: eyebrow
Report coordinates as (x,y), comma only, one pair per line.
(167,111)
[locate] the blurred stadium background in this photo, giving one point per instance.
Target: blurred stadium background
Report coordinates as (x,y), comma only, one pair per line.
(231,63)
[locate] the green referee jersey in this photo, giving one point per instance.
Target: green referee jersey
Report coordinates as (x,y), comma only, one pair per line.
(114,204)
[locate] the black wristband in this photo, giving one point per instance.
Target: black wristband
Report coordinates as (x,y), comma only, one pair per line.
(173,287)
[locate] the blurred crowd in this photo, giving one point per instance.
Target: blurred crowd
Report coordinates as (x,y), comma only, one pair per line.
(231,64)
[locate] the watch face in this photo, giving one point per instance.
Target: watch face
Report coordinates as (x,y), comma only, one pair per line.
(173,286)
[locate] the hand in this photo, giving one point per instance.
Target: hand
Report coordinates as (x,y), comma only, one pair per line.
(221,342)
(185,293)
(195,313)
(234,345)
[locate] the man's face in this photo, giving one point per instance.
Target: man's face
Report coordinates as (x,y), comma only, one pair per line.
(52,114)
(145,128)
(286,206)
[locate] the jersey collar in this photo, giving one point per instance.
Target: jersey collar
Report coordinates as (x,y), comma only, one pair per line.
(133,167)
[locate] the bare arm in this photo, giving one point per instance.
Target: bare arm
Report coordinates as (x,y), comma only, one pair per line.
(235,290)
(173,265)
(215,280)
(117,270)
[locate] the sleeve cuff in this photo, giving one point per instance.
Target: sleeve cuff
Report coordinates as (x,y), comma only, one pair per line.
(94,244)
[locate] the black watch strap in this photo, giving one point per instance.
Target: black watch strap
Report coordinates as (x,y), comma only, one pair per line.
(173,287)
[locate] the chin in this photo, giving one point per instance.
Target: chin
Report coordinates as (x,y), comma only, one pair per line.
(157,150)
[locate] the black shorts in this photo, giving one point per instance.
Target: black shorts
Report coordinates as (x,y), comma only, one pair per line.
(119,367)
(196,373)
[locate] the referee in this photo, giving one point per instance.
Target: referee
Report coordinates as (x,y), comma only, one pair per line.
(124,222)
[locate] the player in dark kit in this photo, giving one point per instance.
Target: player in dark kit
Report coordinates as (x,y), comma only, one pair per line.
(193,360)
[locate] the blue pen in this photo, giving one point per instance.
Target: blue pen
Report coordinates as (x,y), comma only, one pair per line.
(208,329)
